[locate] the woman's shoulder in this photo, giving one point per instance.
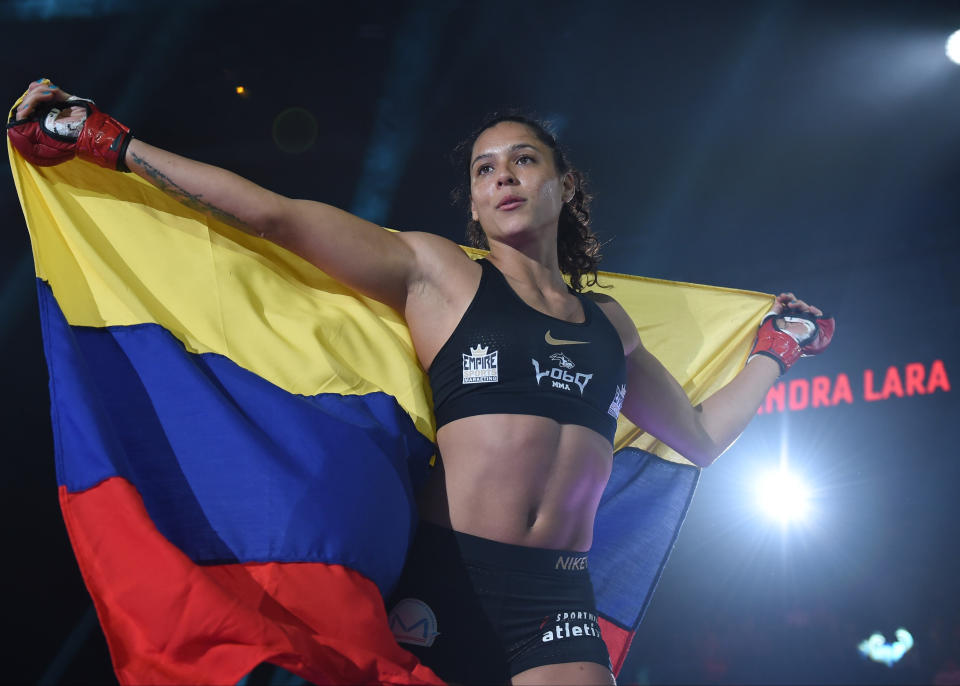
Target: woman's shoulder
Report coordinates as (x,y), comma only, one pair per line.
(625,326)
(445,274)
(605,302)
(431,247)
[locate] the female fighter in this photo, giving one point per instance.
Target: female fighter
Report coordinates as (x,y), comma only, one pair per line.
(528,377)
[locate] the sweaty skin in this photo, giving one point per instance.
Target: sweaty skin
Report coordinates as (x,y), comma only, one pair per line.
(519,479)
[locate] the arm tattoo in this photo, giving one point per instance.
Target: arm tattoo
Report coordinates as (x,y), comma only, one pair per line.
(192,200)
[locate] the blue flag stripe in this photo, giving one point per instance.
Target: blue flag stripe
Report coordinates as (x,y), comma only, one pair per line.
(230,467)
(640,515)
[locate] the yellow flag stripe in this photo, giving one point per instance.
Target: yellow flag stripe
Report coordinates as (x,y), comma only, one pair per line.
(116,251)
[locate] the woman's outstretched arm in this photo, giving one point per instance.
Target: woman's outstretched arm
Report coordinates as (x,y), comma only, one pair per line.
(381,264)
(658,404)
(376,262)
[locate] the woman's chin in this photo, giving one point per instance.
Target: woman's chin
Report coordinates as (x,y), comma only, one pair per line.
(516,233)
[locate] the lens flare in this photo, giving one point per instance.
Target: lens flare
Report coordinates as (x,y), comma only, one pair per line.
(783,496)
(877,649)
(953,47)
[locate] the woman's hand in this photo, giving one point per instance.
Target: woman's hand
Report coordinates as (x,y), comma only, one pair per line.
(787,304)
(788,301)
(48,129)
(791,330)
(42,91)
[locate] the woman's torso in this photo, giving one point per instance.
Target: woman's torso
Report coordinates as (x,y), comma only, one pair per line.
(518,476)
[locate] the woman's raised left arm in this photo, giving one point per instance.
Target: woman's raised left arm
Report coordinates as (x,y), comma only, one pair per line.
(658,404)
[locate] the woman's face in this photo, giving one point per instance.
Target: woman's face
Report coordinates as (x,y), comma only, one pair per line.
(515,191)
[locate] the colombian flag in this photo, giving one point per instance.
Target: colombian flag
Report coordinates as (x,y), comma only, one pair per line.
(238,438)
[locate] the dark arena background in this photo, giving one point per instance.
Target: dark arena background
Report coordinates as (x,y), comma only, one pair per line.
(804,146)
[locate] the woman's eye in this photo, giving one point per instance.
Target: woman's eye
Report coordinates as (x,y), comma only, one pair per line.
(524,159)
(484,169)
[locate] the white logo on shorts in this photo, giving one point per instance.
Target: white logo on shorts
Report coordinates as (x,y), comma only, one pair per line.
(412,621)
(577,624)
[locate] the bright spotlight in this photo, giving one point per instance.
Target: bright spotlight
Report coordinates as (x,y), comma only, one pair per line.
(953,47)
(783,496)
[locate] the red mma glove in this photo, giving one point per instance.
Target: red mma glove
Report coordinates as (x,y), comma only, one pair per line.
(44,141)
(787,347)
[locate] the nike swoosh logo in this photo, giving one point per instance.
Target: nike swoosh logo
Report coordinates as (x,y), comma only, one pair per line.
(556,341)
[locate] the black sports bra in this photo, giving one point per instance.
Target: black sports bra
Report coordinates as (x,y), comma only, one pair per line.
(506,357)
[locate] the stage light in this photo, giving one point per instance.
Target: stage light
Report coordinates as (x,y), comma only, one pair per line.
(877,649)
(241,91)
(783,496)
(953,47)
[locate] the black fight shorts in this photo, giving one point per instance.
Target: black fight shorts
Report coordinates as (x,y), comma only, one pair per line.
(478,611)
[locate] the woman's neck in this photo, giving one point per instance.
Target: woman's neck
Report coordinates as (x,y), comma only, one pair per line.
(536,266)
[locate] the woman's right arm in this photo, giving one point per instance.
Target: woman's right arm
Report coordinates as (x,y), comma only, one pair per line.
(366,257)
(381,264)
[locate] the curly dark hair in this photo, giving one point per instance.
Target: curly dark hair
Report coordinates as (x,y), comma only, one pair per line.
(578,248)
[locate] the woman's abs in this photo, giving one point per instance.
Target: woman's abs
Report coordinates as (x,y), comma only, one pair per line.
(518,479)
